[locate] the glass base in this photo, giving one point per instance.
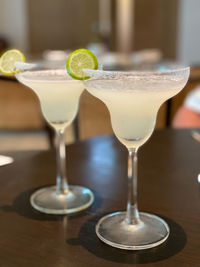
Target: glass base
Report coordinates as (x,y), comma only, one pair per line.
(46,200)
(114,231)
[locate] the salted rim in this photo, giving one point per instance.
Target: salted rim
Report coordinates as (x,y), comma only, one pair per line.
(64,77)
(98,74)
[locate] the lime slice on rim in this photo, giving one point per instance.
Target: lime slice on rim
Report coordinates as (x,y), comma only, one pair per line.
(78,60)
(8,59)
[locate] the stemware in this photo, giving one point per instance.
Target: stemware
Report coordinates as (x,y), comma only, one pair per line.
(133,100)
(59,98)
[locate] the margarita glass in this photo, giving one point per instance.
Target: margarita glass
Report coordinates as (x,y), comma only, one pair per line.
(59,98)
(133,100)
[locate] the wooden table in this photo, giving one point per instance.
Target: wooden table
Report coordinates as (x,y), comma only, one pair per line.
(168,167)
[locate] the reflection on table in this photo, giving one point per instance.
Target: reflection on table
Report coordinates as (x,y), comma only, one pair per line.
(168,187)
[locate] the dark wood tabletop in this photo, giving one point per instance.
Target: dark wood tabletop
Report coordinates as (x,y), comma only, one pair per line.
(169,164)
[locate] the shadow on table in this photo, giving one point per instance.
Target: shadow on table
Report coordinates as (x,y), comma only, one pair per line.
(88,239)
(22,206)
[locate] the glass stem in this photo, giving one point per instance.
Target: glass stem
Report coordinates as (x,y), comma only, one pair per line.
(132,214)
(61,180)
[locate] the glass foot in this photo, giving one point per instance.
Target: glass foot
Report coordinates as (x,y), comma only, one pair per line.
(114,231)
(47,201)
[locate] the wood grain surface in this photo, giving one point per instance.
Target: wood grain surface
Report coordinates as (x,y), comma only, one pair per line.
(168,167)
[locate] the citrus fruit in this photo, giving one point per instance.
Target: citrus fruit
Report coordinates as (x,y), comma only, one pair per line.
(8,59)
(78,60)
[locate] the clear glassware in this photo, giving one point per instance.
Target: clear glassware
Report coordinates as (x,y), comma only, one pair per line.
(133,100)
(59,98)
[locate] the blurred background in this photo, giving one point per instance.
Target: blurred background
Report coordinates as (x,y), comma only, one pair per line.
(122,33)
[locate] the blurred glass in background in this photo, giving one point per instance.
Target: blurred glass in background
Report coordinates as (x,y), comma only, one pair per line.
(103,26)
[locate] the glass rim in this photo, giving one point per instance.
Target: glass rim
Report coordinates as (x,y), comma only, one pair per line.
(22,75)
(142,72)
